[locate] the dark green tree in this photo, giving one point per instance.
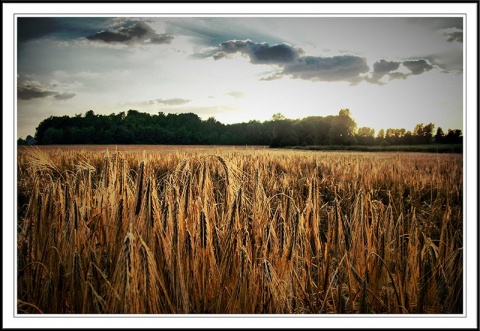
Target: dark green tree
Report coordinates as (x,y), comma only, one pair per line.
(439,136)
(342,130)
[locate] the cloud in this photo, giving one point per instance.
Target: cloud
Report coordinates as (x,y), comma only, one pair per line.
(64,96)
(172,102)
(294,63)
(259,53)
(455,36)
(67,28)
(34,90)
(398,75)
(449,61)
(380,69)
(113,30)
(383,67)
(274,76)
(389,68)
(133,33)
(330,69)
(417,67)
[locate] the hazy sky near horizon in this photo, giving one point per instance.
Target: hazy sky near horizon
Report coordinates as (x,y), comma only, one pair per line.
(391,72)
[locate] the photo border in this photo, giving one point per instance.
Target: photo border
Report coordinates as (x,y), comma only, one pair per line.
(470,318)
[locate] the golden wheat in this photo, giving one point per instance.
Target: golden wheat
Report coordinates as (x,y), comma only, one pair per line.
(157,230)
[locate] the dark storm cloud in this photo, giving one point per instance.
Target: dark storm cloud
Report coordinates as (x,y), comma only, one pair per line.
(417,67)
(132,33)
(295,65)
(32,92)
(172,102)
(282,53)
(382,68)
(233,46)
(455,36)
(388,68)
(331,69)
(28,92)
(259,53)
(292,62)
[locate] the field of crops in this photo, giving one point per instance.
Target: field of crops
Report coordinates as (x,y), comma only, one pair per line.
(216,230)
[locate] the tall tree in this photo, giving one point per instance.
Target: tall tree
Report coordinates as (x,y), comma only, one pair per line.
(342,131)
(439,136)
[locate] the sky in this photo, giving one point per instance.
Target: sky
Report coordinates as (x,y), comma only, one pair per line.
(391,72)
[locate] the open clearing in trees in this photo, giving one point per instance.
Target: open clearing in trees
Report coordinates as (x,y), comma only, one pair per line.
(169,230)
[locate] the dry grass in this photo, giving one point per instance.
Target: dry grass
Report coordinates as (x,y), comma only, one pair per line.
(246,231)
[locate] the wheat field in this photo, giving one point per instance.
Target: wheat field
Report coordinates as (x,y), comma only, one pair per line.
(216,230)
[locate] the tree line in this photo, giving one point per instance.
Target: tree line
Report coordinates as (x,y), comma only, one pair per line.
(134,127)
